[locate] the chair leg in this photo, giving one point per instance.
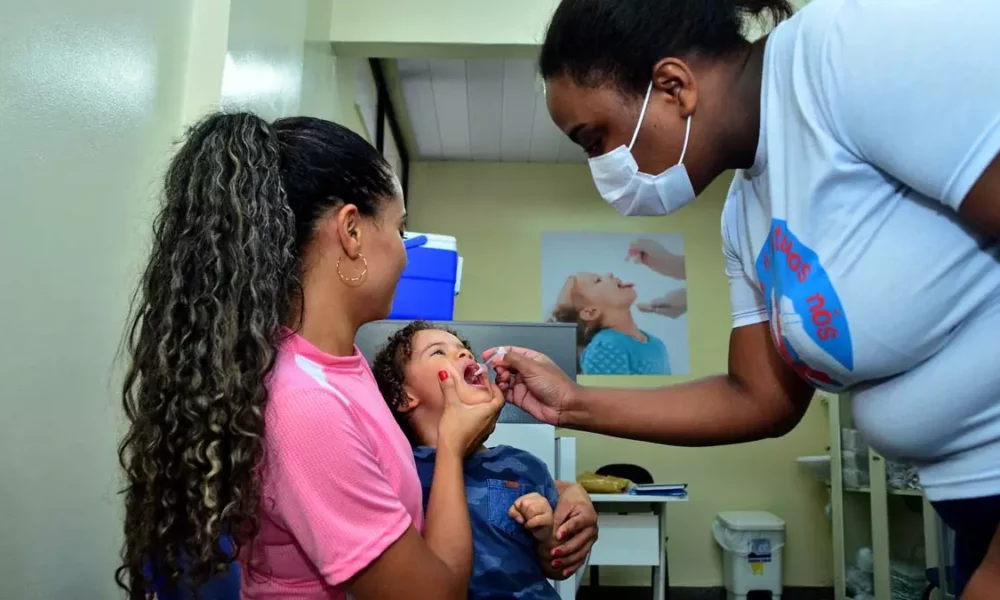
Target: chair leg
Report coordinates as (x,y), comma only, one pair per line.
(666,569)
(666,574)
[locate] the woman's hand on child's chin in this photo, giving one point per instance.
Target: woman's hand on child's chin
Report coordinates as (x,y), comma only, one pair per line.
(464,427)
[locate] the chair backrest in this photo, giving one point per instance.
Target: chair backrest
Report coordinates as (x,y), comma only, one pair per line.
(537,439)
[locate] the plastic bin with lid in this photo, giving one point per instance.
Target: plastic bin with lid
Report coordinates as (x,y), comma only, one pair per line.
(752,543)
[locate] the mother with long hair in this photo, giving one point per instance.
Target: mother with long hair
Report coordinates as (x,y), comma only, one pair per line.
(253,416)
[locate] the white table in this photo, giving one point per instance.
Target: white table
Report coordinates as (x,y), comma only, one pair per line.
(633,532)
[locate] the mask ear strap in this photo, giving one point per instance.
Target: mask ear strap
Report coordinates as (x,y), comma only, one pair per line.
(687,135)
(642,115)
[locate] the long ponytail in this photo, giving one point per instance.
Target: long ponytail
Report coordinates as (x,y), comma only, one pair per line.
(218,286)
(241,204)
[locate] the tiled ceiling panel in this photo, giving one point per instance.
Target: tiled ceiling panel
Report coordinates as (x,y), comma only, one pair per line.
(484,110)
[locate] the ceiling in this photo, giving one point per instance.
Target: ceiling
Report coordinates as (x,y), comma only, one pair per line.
(484,110)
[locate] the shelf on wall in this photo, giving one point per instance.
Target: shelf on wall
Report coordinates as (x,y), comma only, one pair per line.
(889,491)
(865,523)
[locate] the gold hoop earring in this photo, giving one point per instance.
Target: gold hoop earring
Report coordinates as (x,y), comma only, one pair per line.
(354,281)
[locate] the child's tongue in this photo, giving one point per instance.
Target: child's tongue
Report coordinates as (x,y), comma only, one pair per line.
(469,373)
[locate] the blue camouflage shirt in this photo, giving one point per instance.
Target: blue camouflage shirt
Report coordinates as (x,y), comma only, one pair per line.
(505,563)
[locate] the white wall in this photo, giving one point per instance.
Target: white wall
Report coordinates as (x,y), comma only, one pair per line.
(279,62)
(92,95)
(91,98)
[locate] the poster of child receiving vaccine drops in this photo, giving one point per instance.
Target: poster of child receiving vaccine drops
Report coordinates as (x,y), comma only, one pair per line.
(627,295)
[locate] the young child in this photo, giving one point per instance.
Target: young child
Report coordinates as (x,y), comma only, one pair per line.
(610,341)
(510,493)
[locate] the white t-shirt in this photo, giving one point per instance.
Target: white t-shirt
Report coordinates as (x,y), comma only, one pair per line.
(877,117)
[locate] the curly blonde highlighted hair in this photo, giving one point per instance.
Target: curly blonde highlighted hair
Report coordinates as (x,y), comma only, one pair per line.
(241,201)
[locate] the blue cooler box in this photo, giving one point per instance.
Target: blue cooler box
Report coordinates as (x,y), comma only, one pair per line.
(430,282)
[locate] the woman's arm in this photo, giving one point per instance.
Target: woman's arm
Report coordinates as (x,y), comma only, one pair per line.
(448,532)
(332,494)
(439,564)
(761,397)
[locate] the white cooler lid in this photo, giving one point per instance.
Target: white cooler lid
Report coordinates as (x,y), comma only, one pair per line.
(751,521)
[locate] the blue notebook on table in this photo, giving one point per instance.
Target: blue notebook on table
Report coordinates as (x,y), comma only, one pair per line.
(659,489)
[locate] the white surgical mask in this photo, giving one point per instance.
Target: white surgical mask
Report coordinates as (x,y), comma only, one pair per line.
(617,177)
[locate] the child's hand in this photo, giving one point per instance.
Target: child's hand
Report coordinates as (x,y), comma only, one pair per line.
(535,513)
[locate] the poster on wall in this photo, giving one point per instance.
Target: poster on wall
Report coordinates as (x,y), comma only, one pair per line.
(627,295)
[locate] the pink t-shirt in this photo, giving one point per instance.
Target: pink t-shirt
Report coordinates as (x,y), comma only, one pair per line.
(340,484)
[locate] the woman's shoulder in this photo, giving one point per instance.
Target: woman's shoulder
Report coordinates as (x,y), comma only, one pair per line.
(302,388)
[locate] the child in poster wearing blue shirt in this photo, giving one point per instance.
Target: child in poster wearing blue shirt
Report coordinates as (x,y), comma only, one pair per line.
(609,339)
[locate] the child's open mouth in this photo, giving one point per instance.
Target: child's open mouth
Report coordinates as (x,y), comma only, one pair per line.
(471,376)
(621,284)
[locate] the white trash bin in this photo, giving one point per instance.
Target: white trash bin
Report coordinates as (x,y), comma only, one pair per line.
(752,544)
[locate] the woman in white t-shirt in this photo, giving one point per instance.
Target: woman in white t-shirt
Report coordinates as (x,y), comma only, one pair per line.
(860,232)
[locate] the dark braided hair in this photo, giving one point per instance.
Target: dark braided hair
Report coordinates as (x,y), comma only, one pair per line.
(389,368)
(241,201)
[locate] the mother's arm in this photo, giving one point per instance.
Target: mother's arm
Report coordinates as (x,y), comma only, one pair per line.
(332,495)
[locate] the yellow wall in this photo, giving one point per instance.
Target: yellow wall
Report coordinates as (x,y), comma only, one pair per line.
(449,29)
(498,212)
(93,95)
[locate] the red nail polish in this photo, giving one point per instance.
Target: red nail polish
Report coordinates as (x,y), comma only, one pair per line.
(556,553)
(442,375)
(556,564)
(566,573)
